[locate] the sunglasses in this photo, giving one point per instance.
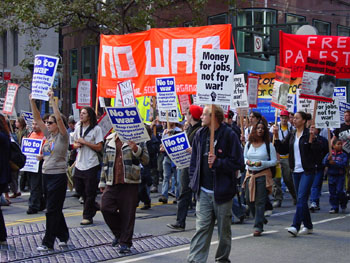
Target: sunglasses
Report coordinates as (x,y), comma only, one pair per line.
(49,122)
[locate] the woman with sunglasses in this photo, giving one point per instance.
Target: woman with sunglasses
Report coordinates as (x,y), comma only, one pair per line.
(54,174)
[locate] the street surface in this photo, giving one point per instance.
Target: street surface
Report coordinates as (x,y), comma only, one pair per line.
(330,241)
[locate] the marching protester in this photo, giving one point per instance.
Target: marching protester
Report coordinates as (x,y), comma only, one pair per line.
(121,174)
(54,174)
(36,200)
(316,187)
(284,128)
(214,187)
(21,132)
(336,163)
(344,128)
(193,116)
(169,169)
(146,170)
(88,141)
(5,172)
(302,147)
(259,156)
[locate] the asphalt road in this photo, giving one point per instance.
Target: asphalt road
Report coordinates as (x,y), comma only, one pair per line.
(330,241)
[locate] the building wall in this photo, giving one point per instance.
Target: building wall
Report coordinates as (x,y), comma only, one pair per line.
(49,47)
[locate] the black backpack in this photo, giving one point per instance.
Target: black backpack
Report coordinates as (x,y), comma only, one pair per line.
(17,158)
(272,168)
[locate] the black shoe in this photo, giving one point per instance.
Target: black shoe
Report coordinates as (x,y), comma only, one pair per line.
(76,195)
(175,202)
(176,227)
(31,211)
(145,207)
(123,249)
(163,200)
(115,242)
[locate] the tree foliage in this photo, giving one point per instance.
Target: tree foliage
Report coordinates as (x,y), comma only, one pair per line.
(35,17)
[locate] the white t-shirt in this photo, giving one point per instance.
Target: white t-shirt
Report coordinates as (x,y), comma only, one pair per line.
(86,157)
(298,167)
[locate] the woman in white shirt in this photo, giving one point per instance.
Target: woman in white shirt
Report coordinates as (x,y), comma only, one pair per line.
(302,147)
(259,156)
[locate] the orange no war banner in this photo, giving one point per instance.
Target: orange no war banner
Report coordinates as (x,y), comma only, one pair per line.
(142,57)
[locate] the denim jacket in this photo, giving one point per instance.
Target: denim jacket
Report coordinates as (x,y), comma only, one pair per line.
(131,162)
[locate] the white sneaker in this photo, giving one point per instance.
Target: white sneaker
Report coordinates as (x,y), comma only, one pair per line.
(62,244)
(43,248)
(81,200)
(305,231)
(293,231)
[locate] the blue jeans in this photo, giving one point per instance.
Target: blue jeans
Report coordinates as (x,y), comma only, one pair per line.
(316,187)
(168,172)
(207,211)
(302,183)
(336,191)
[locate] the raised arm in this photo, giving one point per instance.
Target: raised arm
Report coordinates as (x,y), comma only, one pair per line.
(62,129)
(36,114)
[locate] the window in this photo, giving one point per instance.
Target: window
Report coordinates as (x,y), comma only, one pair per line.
(217,19)
(86,60)
(73,62)
(15,47)
(253,17)
(291,18)
(323,28)
(4,49)
(343,31)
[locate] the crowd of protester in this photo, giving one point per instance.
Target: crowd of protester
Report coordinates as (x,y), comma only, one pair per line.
(249,174)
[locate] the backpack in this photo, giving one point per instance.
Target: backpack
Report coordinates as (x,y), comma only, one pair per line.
(272,168)
(17,158)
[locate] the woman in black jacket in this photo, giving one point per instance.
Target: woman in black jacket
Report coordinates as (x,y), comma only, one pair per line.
(5,176)
(302,147)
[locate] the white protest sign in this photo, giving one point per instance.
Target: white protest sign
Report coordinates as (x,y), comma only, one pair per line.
(239,92)
(344,136)
(76,113)
(173,115)
(118,99)
(305,105)
(252,85)
(128,124)
(166,93)
(10,98)
(176,146)
(28,118)
(279,95)
(105,125)
(215,69)
(102,102)
(317,86)
(126,93)
(43,76)
(327,115)
(290,102)
(343,106)
(84,93)
(31,148)
(185,103)
(340,93)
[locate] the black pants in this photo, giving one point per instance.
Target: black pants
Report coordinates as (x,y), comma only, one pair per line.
(36,199)
(185,198)
(3,233)
(118,207)
(55,187)
(86,183)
